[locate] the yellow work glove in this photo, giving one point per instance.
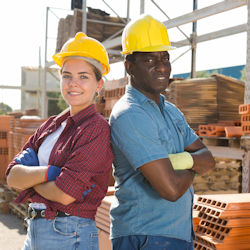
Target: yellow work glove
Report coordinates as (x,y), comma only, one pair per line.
(181,161)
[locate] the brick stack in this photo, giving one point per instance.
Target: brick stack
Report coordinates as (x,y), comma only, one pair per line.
(244,111)
(20,133)
(71,24)
(207,100)
(224,222)
(114,90)
(103,220)
(111,97)
(6,124)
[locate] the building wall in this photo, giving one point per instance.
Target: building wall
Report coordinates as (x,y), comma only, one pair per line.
(30,94)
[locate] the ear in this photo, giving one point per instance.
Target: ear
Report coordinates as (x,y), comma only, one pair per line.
(99,85)
(128,67)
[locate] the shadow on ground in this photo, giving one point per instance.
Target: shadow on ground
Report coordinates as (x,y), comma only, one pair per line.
(11,221)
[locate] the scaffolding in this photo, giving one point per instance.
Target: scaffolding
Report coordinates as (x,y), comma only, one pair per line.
(113,43)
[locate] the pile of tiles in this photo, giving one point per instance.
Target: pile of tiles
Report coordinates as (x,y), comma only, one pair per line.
(224,222)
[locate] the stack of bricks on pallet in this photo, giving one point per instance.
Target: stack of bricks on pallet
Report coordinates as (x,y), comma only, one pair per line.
(225,178)
(224,222)
(6,124)
(207,100)
(71,24)
(244,111)
(103,220)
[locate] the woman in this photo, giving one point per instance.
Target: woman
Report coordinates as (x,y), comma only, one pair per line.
(64,167)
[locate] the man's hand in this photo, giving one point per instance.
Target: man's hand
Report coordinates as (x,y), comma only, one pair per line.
(52,173)
(203,161)
(28,158)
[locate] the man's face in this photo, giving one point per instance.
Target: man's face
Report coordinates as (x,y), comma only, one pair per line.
(150,72)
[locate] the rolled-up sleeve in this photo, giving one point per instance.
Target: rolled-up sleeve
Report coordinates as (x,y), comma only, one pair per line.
(91,157)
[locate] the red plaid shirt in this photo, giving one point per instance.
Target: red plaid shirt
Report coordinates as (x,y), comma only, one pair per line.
(83,152)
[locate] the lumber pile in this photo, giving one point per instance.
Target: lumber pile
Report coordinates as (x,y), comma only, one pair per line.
(224,222)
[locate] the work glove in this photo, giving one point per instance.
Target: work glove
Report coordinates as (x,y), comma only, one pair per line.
(52,173)
(28,158)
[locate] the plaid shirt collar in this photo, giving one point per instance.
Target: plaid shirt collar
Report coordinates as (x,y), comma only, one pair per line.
(77,118)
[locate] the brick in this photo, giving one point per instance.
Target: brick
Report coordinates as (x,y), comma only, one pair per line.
(245,119)
(245,129)
(6,122)
(244,109)
(233,131)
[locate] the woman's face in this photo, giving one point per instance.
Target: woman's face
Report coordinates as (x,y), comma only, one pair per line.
(79,84)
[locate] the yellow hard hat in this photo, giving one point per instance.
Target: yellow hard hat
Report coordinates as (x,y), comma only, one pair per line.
(83,46)
(145,34)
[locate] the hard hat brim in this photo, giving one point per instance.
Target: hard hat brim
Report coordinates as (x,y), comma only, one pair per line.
(149,49)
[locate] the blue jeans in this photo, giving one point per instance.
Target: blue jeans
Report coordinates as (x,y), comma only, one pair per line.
(148,242)
(62,233)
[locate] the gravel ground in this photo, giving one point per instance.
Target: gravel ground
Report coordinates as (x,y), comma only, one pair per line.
(12,232)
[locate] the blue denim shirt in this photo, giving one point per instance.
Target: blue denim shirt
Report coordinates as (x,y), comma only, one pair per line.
(142,131)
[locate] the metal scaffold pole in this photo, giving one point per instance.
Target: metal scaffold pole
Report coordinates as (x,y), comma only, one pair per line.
(84,16)
(142,6)
(245,140)
(194,44)
(44,105)
(247,84)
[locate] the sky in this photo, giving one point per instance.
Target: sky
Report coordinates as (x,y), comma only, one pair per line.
(23,22)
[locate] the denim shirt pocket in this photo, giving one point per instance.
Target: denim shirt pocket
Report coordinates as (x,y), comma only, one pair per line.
(180,124)
(166,139)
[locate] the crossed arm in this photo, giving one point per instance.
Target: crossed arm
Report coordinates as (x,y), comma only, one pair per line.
(171,184)
(29,174)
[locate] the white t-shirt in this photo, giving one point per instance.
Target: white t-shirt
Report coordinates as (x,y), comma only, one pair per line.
(48,144)
(44,154)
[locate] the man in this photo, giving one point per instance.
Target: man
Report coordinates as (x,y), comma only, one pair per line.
(152,144)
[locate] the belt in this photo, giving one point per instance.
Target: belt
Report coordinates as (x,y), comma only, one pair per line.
(37,213)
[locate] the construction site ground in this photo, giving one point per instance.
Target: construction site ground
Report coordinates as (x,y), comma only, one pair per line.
(12,232)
